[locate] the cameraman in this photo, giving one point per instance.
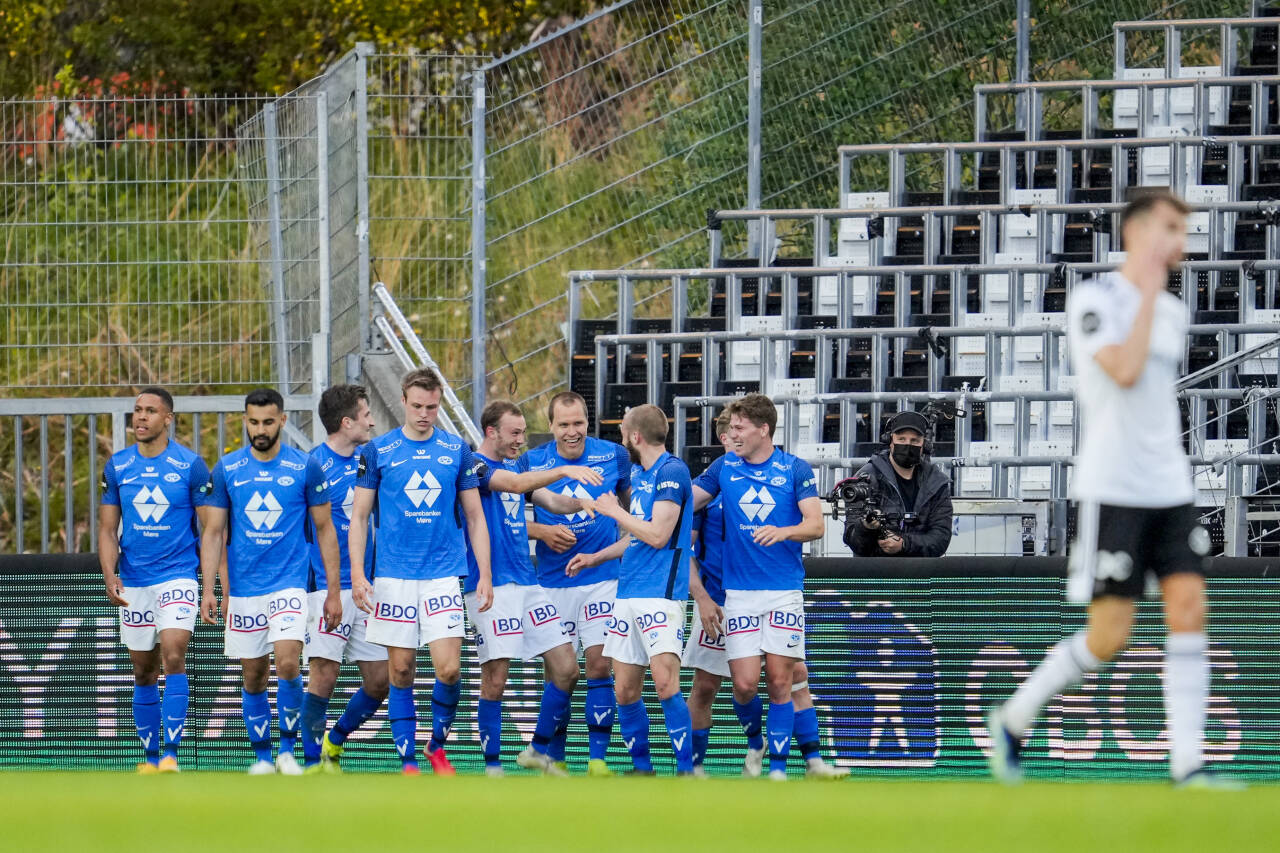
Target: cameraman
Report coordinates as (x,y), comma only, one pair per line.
(913,497)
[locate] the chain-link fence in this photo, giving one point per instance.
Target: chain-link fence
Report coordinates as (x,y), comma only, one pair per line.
(127,253)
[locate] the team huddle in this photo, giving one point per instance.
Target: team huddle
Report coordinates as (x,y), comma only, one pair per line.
(371,548)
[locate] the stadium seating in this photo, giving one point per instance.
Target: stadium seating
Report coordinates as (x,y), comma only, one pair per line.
(980,243)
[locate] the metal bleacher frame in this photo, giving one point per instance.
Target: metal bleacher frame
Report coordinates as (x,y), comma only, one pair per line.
(1229,30)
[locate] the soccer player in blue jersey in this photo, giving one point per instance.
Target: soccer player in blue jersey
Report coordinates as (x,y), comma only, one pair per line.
(149,552)
(259,500)
(523,623)
(348,422)
(647,628)
(705,651)
(585,600)
(425,483)
(771,507)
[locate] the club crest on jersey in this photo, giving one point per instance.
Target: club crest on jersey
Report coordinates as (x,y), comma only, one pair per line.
(286,481)
(150,503)
(172,477)
(778,481)
(756,503)
(263,511)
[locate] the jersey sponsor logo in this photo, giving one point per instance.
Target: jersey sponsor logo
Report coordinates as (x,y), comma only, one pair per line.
(668,484)
(333,484)
(284,605)
(742,624)
(348,501)
(172,477)
(343,630)
(388,612)
(137,618)
(150,503)
(328,463)
(543,614)
(248,623)
(177,463)
(507,627)
(618,627)
(607,457)
(576,490)
(598,469)
(286,481)
(120,466)
(642,486)
(437,604)
(295,466)
(511,504)
(263,511)
(398,462)
(450,446)
(387,448)
(598,610)
(637,509)
(423,487)
(185,595)
(128,480)
(785,620)
(648,621)
(756,503)
(707,642)
(239,483)
(239,463)
(733,479)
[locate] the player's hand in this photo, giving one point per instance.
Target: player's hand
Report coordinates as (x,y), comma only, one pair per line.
(209,609)
(589,506)
(362,592)
(484,594)
(712,618)
(332,610)
(115,591)
(582,474)
(892,545)
(578,563)
(559,538)
(607,504)
(769,535)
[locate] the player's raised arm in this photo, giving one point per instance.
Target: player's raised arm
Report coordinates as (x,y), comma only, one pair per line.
(561,504)
(501,480)
(655,533)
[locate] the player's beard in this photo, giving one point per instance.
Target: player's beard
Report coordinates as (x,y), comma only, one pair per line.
(264,441)
(632,452)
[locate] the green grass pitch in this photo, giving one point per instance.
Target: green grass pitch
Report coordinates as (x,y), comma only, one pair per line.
(384,813)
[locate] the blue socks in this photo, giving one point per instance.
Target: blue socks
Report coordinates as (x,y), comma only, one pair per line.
(289,708)
(146,719)
(749,716)
(257,722)
(444,707)
(680,728)
(782,721)
(553,715)
(360,708)
(489,724)
(177,695)
(559,741)
(806,733)
(701,739)
(404,724)
(600,708)
(633,720)
(314,709)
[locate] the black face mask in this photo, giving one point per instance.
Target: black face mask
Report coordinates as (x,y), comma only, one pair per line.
(906,455)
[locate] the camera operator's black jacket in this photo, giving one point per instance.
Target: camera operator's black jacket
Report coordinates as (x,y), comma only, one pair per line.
(930,535)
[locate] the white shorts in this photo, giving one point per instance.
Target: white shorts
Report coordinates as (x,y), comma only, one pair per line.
(643,628)
(521,624)
(769,621)
(585,611)
(256,622)
(347,640)
(155,608)
(702,652)
(409,614)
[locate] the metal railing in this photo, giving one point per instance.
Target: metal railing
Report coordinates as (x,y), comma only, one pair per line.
(1229,31)
(55,449)
(1154,97)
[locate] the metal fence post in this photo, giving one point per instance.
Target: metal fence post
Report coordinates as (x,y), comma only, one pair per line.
(1023,70)
(276,243)
(479,278)
(363,51)
(755,72)
(320,355)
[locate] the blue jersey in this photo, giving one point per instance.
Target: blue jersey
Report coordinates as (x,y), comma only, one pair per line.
(756,496)
(420,520)
(267,503)
(649,572)
(157,497)
(508,539)
(340,490)
(594,534)
(710,550)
